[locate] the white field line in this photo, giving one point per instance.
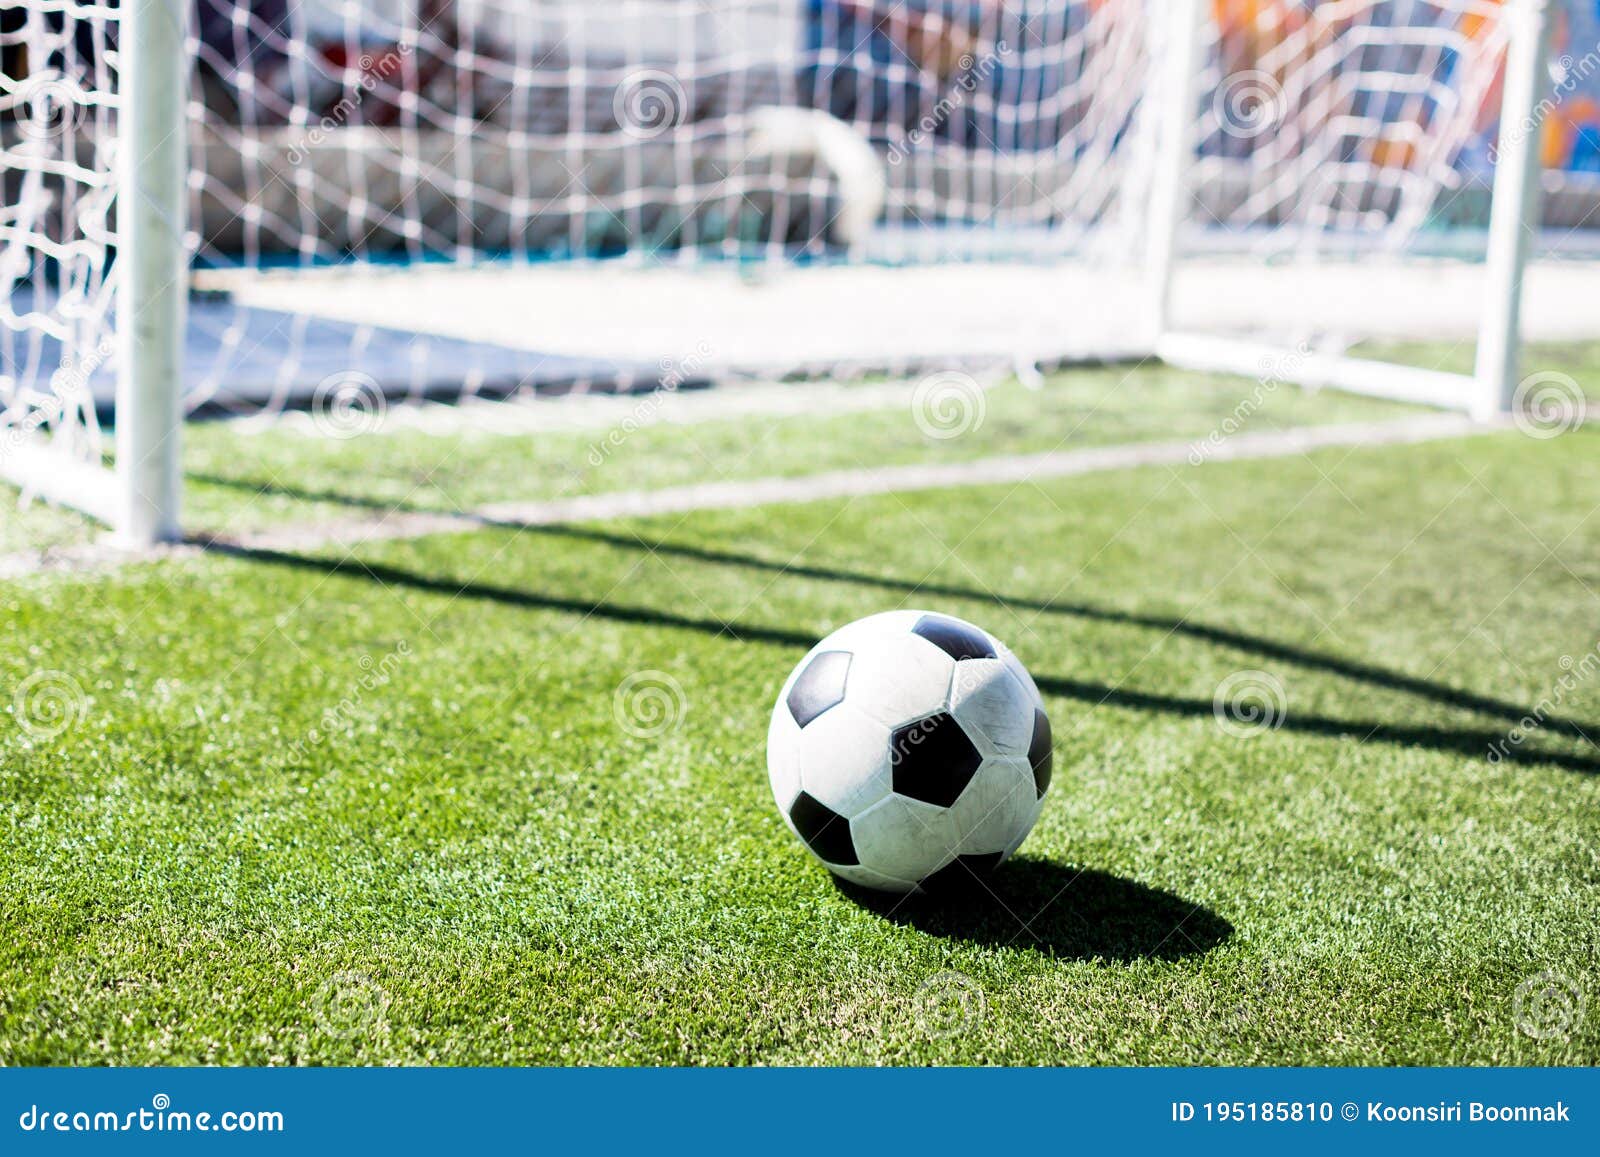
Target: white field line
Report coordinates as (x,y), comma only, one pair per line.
(858,483)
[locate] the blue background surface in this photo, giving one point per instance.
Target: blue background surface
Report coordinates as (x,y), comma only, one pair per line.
(812,1112)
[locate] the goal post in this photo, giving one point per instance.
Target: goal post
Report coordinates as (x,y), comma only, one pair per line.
(154,268)
(127,185)
(387,201)
(1516,216)
(1180,39)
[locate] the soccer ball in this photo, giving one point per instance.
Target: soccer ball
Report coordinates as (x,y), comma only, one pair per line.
(910,750)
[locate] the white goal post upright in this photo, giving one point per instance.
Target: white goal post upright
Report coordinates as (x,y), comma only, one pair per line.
(153,268)
(1171,193)
(1515,214)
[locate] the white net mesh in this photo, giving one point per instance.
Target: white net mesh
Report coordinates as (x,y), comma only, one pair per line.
(471,129)
(1348,124)
(502,138)
(57,143)
(429,197)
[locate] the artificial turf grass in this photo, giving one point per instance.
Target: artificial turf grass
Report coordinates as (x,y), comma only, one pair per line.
(490,870)
(1576,360)
(240,477)
(37,527)
(243,480)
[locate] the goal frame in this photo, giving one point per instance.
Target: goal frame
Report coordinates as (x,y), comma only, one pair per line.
(141,496)
(1490,390)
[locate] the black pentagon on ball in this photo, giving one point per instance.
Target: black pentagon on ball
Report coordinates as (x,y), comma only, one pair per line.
(1041,753)
(962,874)
(825,831)
(820,686)
(933,760)
(954,638)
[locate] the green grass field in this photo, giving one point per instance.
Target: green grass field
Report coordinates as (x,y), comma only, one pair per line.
(377,807)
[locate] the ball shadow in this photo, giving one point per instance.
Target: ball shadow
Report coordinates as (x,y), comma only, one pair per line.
(1060,910)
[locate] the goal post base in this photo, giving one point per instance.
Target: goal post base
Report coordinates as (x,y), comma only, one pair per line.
(40,471)
(1307,368)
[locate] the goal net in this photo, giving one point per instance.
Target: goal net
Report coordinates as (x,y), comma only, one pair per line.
(409,200)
